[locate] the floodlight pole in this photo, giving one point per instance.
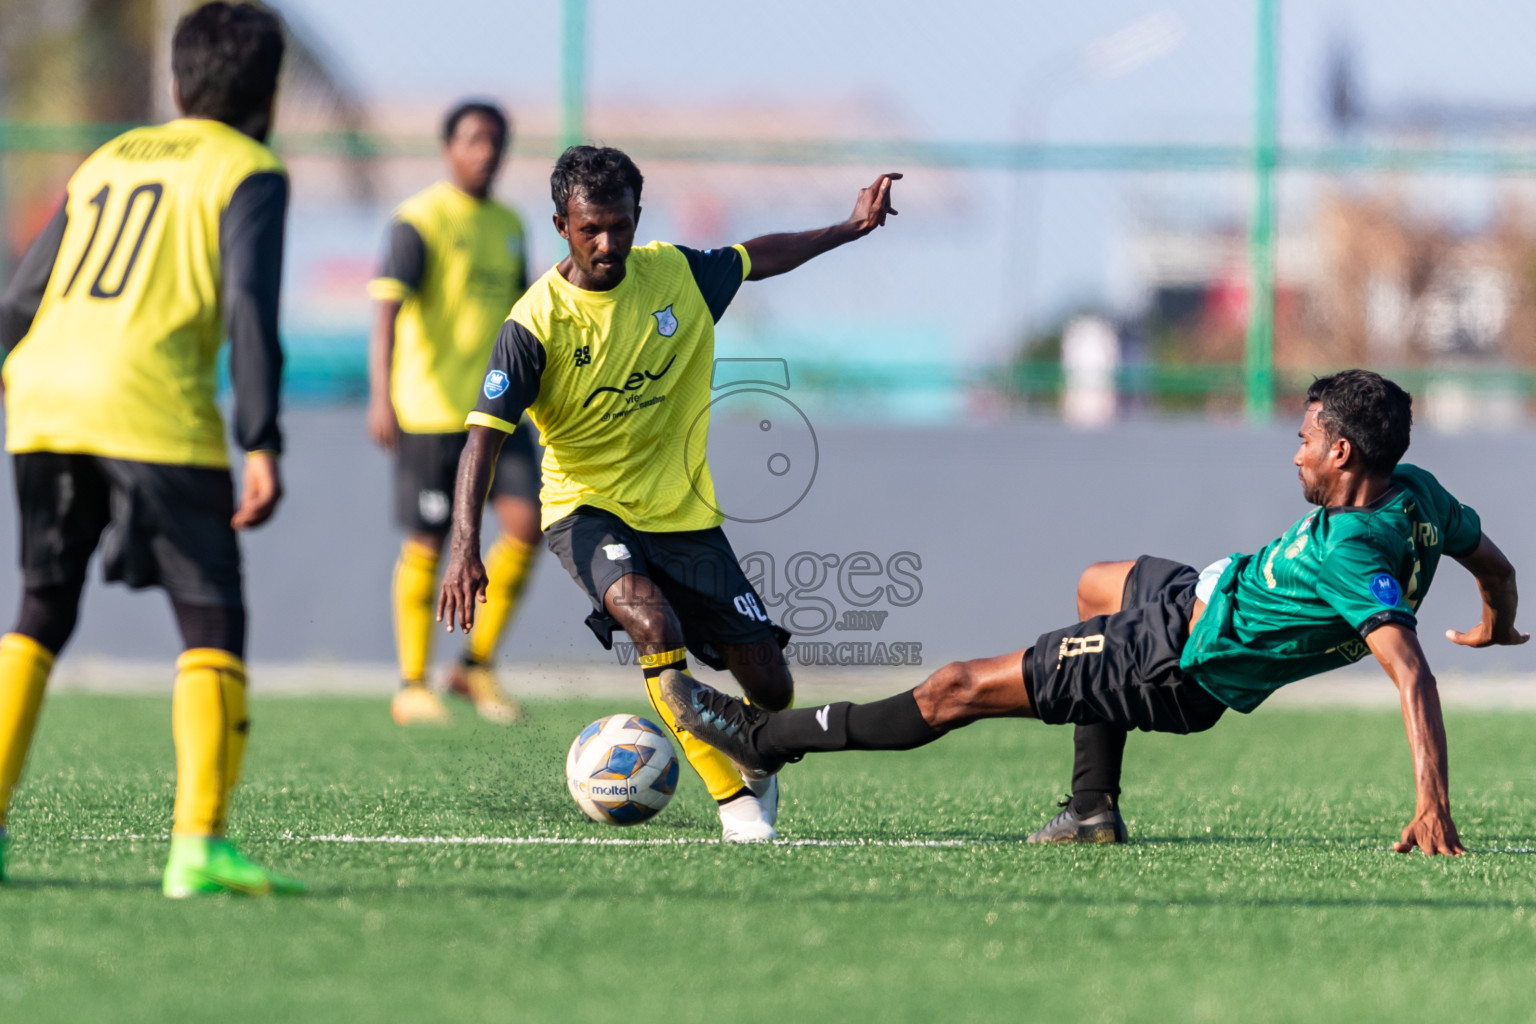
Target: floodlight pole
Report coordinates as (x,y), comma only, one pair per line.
(573,74)
(1260,355)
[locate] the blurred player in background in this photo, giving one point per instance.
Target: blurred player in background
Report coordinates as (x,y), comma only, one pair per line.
(1168,648)
(455,263)
(611,354)
(170,237)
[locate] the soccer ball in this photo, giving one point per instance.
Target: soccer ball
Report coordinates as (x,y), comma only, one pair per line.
(621,770)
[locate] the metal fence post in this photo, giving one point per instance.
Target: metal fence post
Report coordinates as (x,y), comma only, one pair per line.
(1260,355)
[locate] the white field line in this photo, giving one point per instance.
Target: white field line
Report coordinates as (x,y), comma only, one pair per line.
(566,841)
(903,844)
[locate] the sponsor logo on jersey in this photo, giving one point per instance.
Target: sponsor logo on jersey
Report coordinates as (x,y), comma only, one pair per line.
(1385,589)
(633,382)
(666,322)
(616,552)
(823,717)
(496,384)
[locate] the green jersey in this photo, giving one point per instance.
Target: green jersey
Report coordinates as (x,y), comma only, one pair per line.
(1304,603)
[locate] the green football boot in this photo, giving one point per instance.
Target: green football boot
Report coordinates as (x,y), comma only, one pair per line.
(206,865)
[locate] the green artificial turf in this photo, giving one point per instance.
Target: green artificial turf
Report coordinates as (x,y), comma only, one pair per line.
(1258,887)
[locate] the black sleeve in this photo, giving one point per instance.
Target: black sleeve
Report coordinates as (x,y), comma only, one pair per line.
(512,379)
(24,291)
(251,248)
(405,256)
(718,273)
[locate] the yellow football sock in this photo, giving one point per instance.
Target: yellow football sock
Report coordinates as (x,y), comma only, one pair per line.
(209,724)
(507,565)
(717,771)
(415,583)
(24,668)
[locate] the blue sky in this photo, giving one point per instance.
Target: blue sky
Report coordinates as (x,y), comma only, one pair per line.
(956,67)
(961,70)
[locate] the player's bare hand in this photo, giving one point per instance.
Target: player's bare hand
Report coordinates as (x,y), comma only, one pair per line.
(1484,635)
(1431,832)
(874,205)
(383,426)
(261,488)
(463,588)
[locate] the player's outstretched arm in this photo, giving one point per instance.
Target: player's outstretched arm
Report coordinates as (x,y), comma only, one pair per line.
(464,582)
(779,254)
(1496,582)
(1431,830)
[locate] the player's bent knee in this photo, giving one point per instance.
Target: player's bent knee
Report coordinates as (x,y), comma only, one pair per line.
(1099,588)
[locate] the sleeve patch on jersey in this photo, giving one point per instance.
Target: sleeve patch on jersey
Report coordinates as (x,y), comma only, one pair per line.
(496,384)
(1384,588)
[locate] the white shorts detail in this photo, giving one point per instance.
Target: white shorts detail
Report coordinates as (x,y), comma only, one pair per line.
(1205,586)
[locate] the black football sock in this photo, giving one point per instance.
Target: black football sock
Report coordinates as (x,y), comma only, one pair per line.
(891,724)
(1098,750)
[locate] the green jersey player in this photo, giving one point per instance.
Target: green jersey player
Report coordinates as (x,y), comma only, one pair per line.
(1165,647)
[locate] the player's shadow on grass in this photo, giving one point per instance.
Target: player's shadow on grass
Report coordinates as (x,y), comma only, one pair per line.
(78,884)
(524,893)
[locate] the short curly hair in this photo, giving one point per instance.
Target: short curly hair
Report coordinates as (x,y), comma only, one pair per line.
(487,109)
(226,58)
(599,174)
(1369,411)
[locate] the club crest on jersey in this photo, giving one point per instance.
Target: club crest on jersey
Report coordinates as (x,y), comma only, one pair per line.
(1385,589)
(666,322)
(496,384)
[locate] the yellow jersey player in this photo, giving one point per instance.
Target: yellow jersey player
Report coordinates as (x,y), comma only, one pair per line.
(454,265)
(610,353)
(170,237)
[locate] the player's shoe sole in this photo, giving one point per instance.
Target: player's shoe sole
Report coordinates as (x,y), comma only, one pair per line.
(209,866)
(1068,827)
(414,704)
(477,684)
(725,723)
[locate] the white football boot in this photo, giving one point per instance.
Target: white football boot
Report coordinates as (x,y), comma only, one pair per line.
(746,819)
(767,793)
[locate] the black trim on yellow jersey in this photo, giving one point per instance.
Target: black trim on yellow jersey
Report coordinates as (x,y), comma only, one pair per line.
(405,256)
(24,291)
(251,244)
(520,357)
(718,274)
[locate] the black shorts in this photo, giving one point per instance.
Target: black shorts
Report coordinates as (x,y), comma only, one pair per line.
(1123,669)
(696,570)
(157,525)
(427,464)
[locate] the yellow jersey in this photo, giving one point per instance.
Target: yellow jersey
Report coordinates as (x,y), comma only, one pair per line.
(169,236)
(618,383)
(456,264)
